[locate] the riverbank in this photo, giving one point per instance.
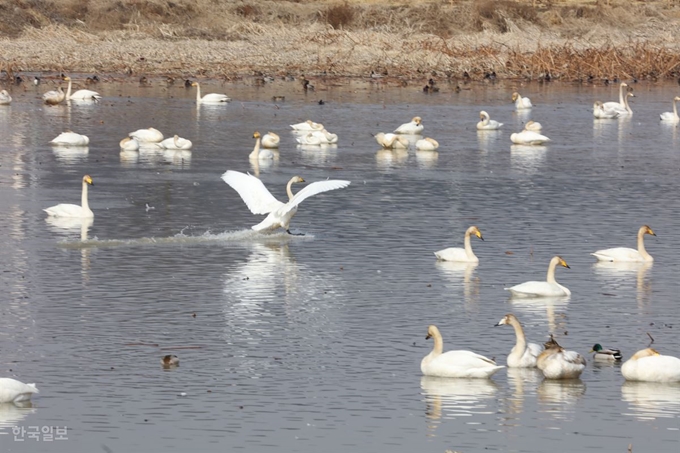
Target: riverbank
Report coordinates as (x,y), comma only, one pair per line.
(569,41)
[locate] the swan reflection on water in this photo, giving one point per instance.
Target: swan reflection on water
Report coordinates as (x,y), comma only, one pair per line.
(70,154)
(461,274)
(523,382)
(427,159)
(527,158)
(11,414)
(553,307)
(129,158)
(456,397)
(651,400)
(558,397)
(318,154)
(179,157)
(386,158)
(487,138)
(621,274)
(66,224)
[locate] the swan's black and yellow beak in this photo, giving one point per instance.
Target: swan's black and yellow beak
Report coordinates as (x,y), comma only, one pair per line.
(428,336)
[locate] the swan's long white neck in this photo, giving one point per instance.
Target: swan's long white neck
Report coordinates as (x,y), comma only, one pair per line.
(521,344)
(641,245)
(551,270)
(438,345)
(289,191)
(625,103)
(198,92)
(256,151)
(68,90)
(675,109)
(485,119)
(83,197)
(622,98)
(468,246)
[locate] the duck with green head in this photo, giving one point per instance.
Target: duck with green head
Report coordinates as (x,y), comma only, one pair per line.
(606,354)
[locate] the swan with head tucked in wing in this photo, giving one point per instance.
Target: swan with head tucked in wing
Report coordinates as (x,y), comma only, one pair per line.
(391,141)
(13,391)
(260,201)
(520,102)
(548,288)
(307,126)
(625,254)
(5,98)
(650,366)
(176,142)
(486,123)
(427,144)
(70,139)
(557,363)
(73,210)
(149,135)
(54,97)
(270,140)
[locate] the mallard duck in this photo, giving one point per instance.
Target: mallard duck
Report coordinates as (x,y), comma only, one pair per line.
(523,354)
(625,254)
(648,365)
(455,364)
(169,361)
(520,102)
(13,391)
(73,210)
(606,355)
(414,127)
(548,288)
(556,363)
(461,254)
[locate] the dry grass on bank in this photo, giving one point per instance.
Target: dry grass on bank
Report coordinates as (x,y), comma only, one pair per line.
(570,40)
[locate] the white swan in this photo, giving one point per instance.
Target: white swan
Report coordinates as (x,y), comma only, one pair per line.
(149,135)
(625,254)
(391,141)
(534,126)
(523,354)
(600,112)
(455,364)
(527,137)
(461,254)
(322,137)
(548,288)
(621,105)
(5,98)
(211,98)
(13,391)
(557,363)
(427,144)
(70,139)
(129,144)
(671,117)
(650,366)
(487,124)
(260,201)
(81,95)
(257,154)
(176,142)
(54,97)
(307,126)
(520,102)
(270,140)
(414,127)
(73,210)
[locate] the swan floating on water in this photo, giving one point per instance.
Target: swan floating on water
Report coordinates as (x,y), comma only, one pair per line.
(391,141)
(520,102)
(523,354)
(548,288)
(307,126)
(260,201)
(461,254)
(129,144)
(176,142)
(427,144)
(487,124)
(628,254)
(650,366)
(13,391)
(534,126)
(257,154)
(414,127)
(527,137)
(54,97)
(81,95)
(73,210)
(211,98)
(621,107)
(455,364)
(322,137)
(5,98)
(557,363)
(270,140)
(671,117)
(70,139)
(149,135)
(600,112)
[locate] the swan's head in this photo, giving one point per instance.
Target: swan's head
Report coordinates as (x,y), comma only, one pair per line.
(474,230)
(66,78)
(649,352)
(561,262)
(88,180)
(507,319)
(624,84)
(647,230)
(676,98)
(297,179)
(483,115)
(515,96)
(194,84)
(598,105)
(433,141)
(432,331)
(256,134)
(630,94)
(417,120)
(170,361)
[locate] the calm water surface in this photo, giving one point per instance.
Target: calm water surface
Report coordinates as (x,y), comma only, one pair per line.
(313,343)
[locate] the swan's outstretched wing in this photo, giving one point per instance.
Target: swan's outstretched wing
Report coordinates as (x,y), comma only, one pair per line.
(312,189)
(253,192)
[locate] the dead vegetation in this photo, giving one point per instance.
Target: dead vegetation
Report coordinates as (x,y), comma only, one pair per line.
(556,39)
